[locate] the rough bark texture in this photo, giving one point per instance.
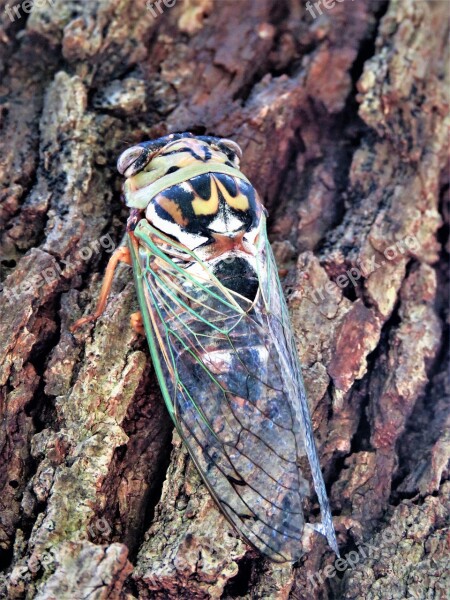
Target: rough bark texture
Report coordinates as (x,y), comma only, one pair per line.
(343,122)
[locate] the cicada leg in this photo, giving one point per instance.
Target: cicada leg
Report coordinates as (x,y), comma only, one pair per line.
(122,254)
(136,322)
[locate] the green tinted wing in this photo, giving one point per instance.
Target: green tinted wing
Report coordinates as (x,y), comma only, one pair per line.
(230,377)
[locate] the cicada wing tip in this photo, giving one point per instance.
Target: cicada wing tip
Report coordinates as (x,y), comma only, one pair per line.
(329,535)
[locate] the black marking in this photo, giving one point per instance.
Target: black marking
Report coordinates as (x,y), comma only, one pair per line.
(235,481)
(202,186)
(190,151)
(229,183)
(208,153)
(239,276)
(181,197)
(178,195)
(246,517)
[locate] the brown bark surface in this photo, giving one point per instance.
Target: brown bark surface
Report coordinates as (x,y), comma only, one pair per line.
(343,121)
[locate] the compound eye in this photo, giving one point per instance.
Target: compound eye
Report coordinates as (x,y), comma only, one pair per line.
(132,160)
(232,146)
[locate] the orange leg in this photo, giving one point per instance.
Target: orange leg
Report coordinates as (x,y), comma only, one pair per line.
(122,254)
(137,323)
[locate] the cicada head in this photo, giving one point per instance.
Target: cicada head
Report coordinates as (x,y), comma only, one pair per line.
(183,148)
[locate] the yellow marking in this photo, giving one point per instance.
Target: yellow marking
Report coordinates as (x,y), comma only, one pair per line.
(210,206)
(240,202)
(174,210)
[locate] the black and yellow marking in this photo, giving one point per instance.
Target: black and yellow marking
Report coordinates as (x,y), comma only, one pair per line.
(196,203)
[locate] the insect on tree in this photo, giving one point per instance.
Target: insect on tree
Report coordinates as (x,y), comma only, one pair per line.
(218,328)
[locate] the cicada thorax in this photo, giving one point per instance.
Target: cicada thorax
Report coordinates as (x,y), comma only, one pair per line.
(193,191)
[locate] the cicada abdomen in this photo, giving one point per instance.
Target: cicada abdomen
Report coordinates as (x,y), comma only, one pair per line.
(220,337)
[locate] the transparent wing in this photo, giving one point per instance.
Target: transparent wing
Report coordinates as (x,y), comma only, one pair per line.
(281,333)
(230,377)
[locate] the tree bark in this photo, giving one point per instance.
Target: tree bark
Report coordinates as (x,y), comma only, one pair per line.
(343,121)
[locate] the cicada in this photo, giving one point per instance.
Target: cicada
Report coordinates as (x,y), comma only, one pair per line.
(218,328)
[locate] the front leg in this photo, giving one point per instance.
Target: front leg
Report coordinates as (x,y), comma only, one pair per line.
(121,254)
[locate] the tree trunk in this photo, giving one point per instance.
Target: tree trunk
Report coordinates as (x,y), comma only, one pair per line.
(342,120)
